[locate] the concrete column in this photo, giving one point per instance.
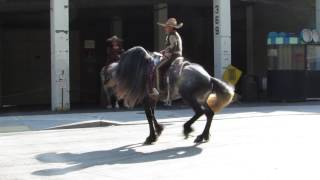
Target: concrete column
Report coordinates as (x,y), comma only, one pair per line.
(318,28)
(160,15)
(60,83)
(1,64)
(116,26)
(317,14)
(222,36)
(249,34)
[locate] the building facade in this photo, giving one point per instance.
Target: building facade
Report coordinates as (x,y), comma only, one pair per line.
(25,39)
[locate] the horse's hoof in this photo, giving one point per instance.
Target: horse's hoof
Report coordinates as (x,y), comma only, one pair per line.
(206,137)
(199,139)
(150,140)
(159,129)
(187,131)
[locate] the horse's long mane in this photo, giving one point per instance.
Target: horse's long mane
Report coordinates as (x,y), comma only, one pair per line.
(131,75)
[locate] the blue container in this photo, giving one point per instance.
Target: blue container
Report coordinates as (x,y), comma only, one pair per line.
(290,38)
(280,38)
(286,40)
(282,34)
(272,38)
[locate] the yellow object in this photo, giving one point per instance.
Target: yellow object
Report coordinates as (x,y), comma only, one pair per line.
(232,75)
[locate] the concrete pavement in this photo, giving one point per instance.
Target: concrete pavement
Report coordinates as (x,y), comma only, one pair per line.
(251,143)
(40,121)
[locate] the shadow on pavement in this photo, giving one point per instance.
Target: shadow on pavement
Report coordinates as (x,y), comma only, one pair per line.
(121,155)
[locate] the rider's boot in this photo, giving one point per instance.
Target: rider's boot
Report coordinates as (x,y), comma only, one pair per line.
(154,92)
(168,99)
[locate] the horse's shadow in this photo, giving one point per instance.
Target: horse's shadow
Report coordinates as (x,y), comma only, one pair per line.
(121,155)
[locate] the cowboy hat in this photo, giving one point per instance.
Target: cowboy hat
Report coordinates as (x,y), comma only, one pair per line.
(114,38)
(171,22)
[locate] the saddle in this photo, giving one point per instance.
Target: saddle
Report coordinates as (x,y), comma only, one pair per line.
(166,77)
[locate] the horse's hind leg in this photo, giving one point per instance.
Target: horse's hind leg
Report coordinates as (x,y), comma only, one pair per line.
(187,129)
(206,132)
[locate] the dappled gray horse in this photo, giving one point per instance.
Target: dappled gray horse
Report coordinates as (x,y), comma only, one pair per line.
(108,92)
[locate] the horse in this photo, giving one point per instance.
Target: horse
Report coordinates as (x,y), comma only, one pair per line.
(108,92)
(190,81)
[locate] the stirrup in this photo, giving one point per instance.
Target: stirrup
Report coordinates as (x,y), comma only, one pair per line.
(155,92)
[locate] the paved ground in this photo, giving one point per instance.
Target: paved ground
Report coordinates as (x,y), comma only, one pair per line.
(250,143)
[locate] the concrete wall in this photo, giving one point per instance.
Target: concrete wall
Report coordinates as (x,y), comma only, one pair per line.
(238,35)
(26,62)
(75,46)
(138,27)
(280,16)
(196,33)
(26,75)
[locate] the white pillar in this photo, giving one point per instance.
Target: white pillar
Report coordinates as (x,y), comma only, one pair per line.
(116,26)
(317,14)
(60,85)
(1,63)
(222,36)
(160,15)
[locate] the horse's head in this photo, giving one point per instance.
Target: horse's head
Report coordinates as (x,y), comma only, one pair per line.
(108,75)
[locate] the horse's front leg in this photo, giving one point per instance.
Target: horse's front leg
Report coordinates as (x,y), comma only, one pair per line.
(148,109)
(159,127)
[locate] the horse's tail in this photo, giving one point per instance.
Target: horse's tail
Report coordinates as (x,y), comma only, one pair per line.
(221,96)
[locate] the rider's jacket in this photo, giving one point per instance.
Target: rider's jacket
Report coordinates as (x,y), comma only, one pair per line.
(173,45)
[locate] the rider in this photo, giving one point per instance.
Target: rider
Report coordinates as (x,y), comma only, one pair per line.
(172,50)
(114,50)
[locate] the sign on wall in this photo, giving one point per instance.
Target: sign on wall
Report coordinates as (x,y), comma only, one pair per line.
(89,44)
